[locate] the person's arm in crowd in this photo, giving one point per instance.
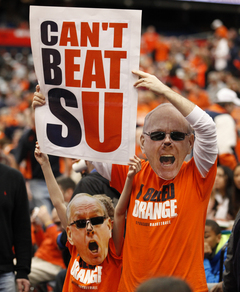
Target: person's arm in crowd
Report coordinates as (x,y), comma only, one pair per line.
(122,205)
(53,187)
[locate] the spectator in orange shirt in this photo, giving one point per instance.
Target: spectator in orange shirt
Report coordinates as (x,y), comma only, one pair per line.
(47,260)
(162,50)
(197,95)
(149,40)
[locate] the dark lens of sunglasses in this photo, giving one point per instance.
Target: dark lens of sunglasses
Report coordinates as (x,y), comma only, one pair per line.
(97,220)
(177,136)
(94,221)
(81,224)
(157,136)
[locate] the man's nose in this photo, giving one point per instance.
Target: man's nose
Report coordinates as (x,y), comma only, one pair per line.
(89,226)
(167,140)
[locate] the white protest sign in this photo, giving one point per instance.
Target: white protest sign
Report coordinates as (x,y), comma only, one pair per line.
(83,59)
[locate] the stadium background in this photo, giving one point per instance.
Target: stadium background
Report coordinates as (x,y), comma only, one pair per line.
(170,17)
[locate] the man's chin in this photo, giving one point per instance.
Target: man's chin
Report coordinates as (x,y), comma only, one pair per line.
(95,259)
(167,174)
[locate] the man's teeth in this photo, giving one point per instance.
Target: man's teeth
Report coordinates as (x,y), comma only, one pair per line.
(167,159)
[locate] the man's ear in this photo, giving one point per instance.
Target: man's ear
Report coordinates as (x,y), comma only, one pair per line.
(110,226)
(142,140)
(69,235)
(191,142)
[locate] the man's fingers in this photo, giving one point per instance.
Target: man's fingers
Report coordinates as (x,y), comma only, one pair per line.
(140,73)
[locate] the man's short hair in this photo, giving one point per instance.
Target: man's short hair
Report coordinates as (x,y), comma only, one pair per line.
(85,195)
(66,183)
(213,224)
(166,284)
(107,201)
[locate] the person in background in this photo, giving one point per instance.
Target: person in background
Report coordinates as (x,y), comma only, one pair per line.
(93,183)
(47,260)
(226,127)
(215,251)
(67,186)
(231,281)
(15,231)
(223,190)
(236,190)
(164,284)
(221,48)
(24,151)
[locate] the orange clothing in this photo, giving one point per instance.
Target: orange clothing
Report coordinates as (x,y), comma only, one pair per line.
(201,68)
(143,109)
(165,225)
(201,99)
(162,51)
(222,31)
(81,276)
(48,249)
(37,235)
(149,41)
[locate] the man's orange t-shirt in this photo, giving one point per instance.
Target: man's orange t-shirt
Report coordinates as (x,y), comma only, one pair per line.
(165,225)
(101,278)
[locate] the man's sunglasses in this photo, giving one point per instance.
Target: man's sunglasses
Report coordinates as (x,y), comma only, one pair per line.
(159,135)
(82,223)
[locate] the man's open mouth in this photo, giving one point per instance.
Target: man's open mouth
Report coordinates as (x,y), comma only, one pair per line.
(93,246)
(167,159)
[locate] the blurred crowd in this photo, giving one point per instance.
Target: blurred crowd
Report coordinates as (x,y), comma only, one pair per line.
(196,68)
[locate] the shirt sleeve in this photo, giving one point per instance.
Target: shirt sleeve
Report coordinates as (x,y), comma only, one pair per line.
(226,133)
(205,145)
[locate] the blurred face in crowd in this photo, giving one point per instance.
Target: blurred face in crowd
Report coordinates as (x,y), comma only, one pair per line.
(236,176)
(56,220)
(90,239)
(221,179)
(211,237)
(166,156)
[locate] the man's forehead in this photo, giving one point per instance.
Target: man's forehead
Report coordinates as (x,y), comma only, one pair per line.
(166,113)
(85,203)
